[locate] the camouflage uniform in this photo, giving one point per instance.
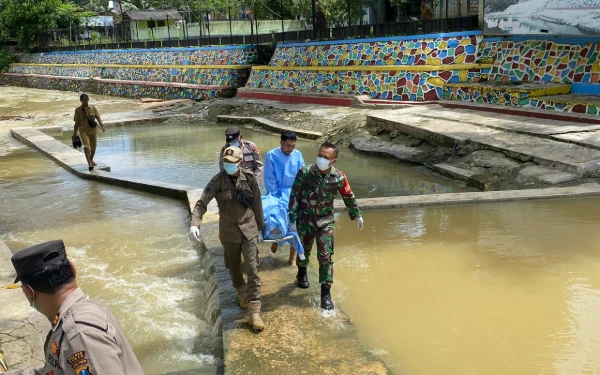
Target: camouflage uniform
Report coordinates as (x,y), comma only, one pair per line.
(311,208)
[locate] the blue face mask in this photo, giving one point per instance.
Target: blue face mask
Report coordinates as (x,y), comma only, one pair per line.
(230,168)
(236,143)
(322,163)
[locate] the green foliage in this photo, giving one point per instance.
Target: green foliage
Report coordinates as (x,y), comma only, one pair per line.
(24,20)
(6,60)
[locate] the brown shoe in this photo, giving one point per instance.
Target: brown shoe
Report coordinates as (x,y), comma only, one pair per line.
(242,301)
(254,316)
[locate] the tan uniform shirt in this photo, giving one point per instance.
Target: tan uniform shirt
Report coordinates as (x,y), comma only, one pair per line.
(85,339)
(235,219)
(252,159)
(81,120)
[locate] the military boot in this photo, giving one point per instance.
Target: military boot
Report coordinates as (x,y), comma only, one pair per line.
(302,278)
(326,302)
(242,301)
(254,316)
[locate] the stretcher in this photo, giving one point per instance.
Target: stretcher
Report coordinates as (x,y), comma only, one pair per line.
(278,240)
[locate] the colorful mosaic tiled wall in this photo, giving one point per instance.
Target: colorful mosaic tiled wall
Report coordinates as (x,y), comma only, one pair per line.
(460,49)
(542,60)
(116,89)
(519,99)
(388,85)
(201,67)
(419,66)
(234,77)
(238,55)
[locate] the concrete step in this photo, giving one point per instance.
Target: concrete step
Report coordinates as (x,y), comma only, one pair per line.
(267,124)
(510,123)
(551,153)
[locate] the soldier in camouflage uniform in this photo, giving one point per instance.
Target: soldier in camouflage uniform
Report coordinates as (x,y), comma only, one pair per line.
(311,214)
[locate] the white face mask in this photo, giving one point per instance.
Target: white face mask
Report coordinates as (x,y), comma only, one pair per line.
(32,303)
(322,163)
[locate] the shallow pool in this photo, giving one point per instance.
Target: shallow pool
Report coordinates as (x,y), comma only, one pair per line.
(188,154)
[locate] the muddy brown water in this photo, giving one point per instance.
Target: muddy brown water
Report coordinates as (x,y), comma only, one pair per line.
(511,288)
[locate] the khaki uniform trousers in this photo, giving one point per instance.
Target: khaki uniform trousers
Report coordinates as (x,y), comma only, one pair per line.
(89,140)
(233,253)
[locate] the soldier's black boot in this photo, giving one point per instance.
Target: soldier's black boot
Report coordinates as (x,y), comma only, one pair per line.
(326,302)
(302,278)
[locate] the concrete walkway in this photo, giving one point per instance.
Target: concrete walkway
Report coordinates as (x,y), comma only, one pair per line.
(502,133)
(22,330)
(267,124)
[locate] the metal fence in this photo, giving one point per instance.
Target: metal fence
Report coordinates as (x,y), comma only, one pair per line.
(356,19)
(114,38)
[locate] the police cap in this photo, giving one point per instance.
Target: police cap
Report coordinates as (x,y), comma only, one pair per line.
(36,258)
(232,133)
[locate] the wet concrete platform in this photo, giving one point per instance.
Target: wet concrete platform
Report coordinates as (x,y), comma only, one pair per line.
(22,330)
(267,124)
(445,128)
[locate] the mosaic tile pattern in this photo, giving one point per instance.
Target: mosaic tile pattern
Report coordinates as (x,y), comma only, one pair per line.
(588,64)
(439,51)
(83,71)
(488,96)
(234,56)
(535,60)
(116,89)
(517,99)
(216,77)
(46,83)
(488,50)
(137,91)
(390,85)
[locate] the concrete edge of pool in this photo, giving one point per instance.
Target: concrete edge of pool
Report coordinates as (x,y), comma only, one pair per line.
(245,352)
(22,330)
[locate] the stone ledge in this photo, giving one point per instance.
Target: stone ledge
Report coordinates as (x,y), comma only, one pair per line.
(387,203)
(267,124)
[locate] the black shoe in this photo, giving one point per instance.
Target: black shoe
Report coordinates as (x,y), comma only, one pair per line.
(326,302)
(302,278)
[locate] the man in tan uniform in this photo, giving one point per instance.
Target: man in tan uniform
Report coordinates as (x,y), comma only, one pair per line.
(85,338)
(85,117)
(251,161)
(240,225)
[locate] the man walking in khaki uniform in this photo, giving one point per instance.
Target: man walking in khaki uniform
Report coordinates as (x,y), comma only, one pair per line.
(240,225)
(85,338)
(85,121)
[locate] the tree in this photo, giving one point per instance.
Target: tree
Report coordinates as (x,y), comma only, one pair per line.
(24,20)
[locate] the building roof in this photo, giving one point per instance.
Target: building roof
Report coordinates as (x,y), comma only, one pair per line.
(139,15)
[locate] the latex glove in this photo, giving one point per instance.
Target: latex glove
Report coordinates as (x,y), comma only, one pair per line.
(293,227)
(260,237)
(360,223)
(194,234)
